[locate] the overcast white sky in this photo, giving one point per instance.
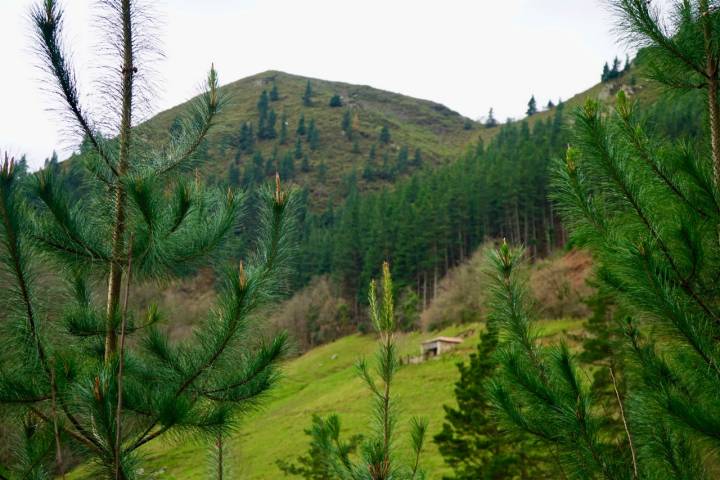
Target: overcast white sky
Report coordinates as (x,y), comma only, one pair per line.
(467,54)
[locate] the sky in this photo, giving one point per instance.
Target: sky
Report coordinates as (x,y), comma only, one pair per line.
(470,55)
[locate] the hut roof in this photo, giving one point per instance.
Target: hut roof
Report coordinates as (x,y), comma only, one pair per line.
(443,339)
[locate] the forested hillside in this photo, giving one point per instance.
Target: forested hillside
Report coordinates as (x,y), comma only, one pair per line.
(317,132)
(384,176)
(432,221)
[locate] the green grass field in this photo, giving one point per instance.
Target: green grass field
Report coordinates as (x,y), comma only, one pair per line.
(324,381)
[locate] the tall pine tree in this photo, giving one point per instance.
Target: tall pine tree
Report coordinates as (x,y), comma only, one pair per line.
(104,377)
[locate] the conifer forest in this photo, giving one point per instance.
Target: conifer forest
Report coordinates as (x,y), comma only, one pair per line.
(283,275)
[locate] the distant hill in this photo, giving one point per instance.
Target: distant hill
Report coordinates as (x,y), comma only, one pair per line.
(438,132)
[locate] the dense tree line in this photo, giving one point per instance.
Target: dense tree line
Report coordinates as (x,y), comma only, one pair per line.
(434,219)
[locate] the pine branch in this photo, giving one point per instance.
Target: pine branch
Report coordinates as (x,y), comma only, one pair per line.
(635,135)
(593,128)
(246,290)
(48,20)
(625,425)
(196,126)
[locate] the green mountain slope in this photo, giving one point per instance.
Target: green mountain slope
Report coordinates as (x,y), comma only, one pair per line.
(324,381)
(440,133)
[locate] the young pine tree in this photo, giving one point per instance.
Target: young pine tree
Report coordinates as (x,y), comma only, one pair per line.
(532,107)
(287,165)
(491,122)
(539,390)
(401,163)
(605,73)
(384,137)
(346,124)
(378,459)
(102,378)
(298,152)
(301,126)
(313,137)
(282,140)
(307,96)
(471,441)
(305,163)
(270,131)
(647,209)
(417,160)
(263,107)
(315,465)
(336,101)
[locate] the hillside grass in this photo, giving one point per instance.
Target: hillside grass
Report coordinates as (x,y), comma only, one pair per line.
(324,381)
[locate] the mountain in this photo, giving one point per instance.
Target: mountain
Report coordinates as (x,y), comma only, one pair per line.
(423,222)
(438,132)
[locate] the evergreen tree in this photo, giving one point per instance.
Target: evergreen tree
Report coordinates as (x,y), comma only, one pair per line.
(401,164)
(53,163)
(298,148)
(372,155)
(246,139)
(274,95)
(532,107)
(21,167)
(346,124)
(491,122)
(301,125)
(270,131)
(471,441)
(646,208)
(615,70)
(305,165)
(387,172)
(384,135)
(378,459)
(234,175)
(369,170)
(313,136)
(355,146)
(539,390)
(104,379)
(336,101)
(605,73)
(262,107)
(550,105)
(315,465)
(322,171)
(307,96)
(626,68)
(287,166)
(283,130)
(271,165)
(255,171)
(417,158)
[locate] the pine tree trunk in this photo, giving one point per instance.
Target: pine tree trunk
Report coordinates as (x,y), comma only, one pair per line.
(712,78)
(425,302)
(516,223)
(118,244)
(219,446)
